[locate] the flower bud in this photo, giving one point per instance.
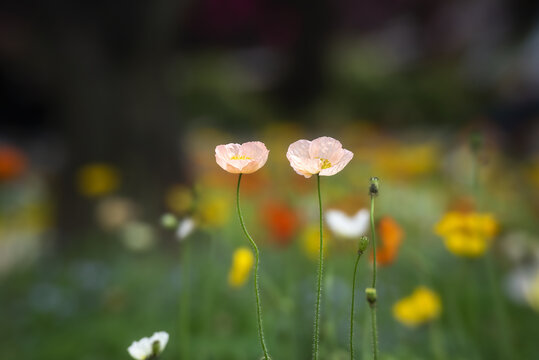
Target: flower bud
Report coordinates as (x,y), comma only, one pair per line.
(371,295)
(363,243)
(374,187)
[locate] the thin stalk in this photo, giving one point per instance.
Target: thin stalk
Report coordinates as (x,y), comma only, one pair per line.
(365,339)
(257,291)
(373,304)
(316,335)
(373,232)
(374,332)
(352,307)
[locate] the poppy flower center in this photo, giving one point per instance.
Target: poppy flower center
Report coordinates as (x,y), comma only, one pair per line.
(325,163)
(242,157)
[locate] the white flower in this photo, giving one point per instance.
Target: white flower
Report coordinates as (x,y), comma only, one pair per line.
(144,348)
(185,228)
(348,226)
(519,282)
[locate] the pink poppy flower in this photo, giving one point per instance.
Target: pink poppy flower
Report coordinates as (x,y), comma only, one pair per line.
(241,159)
(324,156)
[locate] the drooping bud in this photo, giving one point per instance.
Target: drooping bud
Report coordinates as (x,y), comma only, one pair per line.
(363,243)
(374,187)
(371,296)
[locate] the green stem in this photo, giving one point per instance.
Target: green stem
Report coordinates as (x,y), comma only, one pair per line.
(373,305)
(373,244)
(352,307)
(257,291)
(374,332)
(319,285)
(365,351)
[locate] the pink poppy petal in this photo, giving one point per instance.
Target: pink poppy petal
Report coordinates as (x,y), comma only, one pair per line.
(254,149)
(258,153)
(300,160)
(324,147)
(299,149)
(335,168)
(245,158)
(233,150)
(222,157)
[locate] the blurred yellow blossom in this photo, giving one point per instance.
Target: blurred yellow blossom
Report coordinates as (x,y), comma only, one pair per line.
(213,209)
(310,241)
(414,160)
(532,172)
(97,179)
(467,233)
(242,263)
(179,198)
(422,306)
(532,295)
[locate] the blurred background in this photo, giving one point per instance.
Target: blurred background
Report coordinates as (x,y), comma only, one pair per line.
(110,114)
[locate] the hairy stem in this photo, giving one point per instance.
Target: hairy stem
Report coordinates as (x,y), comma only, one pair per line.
(352,306)
(319,283)
(373,234)
(374,332)
(257,291)
(373,304)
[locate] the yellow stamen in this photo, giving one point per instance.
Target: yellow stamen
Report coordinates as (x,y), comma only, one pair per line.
(243,157)
(325,163)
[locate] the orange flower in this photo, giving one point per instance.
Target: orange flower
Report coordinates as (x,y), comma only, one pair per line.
(12,162)
(390,235)
(281,221)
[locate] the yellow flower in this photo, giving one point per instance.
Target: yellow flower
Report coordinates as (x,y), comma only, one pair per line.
(242,263)
(532,295)
(532,172)
(422,306)
(310,241)
(97,179)
(179,198)
(467,233)
(213,209)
